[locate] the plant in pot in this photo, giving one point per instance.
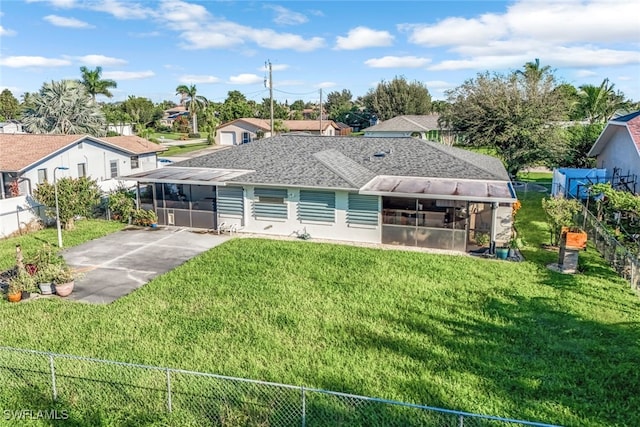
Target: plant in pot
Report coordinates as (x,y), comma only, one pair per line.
(63,279)
(20,286)
(45,277)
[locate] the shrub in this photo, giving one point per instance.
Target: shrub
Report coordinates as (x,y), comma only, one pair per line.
(76,197)
(560,213)
(144,217)
(194,135)
(121,204)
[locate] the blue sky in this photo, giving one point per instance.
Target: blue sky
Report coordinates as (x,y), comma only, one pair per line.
(151,47)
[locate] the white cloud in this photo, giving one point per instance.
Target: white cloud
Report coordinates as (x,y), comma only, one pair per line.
(563,34)
(56,3)
(146,35)
(128,75)
(274,67)
(6,31)
(122,9)
(195,79)
(362,37)
(32,61)
(585,73)
(438,84)
(61,21)
(246,79)
(326,85)
(100,60)
(183,15)
(286,16)
(397,62)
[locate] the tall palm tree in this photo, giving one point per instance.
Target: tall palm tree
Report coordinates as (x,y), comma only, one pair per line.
(535,75)
(599,103)
(94,84)
(192,101)
(61,107)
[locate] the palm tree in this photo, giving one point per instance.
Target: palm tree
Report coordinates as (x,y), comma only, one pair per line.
(192,101)
(534,75)
(94,85)
(61,107)
(598,104)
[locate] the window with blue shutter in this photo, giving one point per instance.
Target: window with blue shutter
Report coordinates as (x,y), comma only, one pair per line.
(270,203)
(363,210)
(317,206)
(230,201)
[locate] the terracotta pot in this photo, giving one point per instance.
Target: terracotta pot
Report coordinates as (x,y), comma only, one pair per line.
(64,289)
(14,297)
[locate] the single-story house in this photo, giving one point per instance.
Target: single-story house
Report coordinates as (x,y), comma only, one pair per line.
(397,191)
(170,115)
(617,150)
(417,126)
(245,130)
(11,126)
(29,159)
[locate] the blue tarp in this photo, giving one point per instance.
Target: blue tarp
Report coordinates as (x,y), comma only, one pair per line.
(571,182)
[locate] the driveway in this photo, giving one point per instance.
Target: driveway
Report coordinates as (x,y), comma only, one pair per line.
(115,265)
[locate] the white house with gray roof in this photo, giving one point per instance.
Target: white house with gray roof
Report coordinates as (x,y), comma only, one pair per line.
(399,191)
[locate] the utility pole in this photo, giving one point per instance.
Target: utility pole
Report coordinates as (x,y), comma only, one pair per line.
(320,111)
(270,95)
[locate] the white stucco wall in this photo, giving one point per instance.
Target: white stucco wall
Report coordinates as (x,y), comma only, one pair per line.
(96,158)
(337,230)
(238,129)
(621,153)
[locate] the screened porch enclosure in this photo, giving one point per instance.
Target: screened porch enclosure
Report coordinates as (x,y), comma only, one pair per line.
(433,223)
(182,205)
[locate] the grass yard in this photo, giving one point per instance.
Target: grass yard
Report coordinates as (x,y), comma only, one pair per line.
(485,336)
(176,150)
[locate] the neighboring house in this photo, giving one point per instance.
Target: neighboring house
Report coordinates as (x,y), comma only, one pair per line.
(380,190)
(617,150)
(245,130)
(29,159)
(170,115)
(343,129)
(124,129)
(11,126)
(422,127)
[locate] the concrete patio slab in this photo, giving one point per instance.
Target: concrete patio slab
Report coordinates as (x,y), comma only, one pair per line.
(118,264)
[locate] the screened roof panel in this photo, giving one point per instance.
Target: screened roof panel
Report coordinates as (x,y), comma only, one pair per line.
(453,189)
(191,175)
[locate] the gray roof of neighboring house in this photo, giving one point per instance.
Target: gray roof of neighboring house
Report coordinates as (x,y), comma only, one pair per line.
(346,162)
(407,124)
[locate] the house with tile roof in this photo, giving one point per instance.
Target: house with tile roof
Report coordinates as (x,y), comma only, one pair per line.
(617,150)
(398,191)
(245,130)
(29,159)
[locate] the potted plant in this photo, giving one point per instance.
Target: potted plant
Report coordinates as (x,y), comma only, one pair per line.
(44,278)
(482,239)
(63,279)
(20,286)
(502,253)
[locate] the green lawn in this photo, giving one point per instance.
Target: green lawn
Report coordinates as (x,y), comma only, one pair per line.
(176,150)
(485,336)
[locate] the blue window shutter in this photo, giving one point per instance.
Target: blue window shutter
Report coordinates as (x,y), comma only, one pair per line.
(230,201)
(317,206)
(270,203)
(362,209)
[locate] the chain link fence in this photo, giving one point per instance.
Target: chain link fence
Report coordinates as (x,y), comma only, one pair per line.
(47,386)
(626,263)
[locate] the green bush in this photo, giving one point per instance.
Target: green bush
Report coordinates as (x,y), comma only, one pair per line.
(76,197)
(560,213)
(194,135)
(121,204)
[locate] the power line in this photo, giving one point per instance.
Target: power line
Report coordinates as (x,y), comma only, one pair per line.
(292,93)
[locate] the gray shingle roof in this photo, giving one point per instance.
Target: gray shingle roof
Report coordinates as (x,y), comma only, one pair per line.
(297,160)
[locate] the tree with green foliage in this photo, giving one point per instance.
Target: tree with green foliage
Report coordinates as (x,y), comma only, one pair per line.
(579,141)
(210,122)
(234,107)
(598,104)
(338,104)
(63,107)
(9,106)
(142,111)
(507,114)
(121,204)
(279,110)
(297,105)
(116,115)
(76,197)
(398,97)
(193,102)
(560,212)
(94,84)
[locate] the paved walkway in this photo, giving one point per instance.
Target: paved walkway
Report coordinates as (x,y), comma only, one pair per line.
(116,265)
